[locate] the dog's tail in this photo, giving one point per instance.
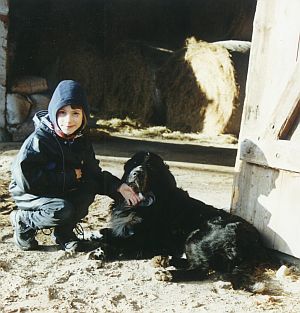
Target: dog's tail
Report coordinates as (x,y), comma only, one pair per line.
(244,277)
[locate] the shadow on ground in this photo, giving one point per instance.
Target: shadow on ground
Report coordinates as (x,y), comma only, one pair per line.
(179,152)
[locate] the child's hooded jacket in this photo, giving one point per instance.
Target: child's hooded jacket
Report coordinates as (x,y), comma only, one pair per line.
(46,163)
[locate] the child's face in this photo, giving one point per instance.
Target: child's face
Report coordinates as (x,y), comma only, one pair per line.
(68,119)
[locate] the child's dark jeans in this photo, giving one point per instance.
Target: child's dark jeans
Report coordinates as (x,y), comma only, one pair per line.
(46,212)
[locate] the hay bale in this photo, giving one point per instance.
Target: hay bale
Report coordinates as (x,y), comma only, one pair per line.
(118,83)
(84,64)
(239,52)
(199,89)
(129,85)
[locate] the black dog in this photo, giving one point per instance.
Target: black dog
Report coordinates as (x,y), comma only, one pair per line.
(169,222)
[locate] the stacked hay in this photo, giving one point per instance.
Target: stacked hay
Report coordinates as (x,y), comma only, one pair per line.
(84,64)
(199,89)
(195,89)
(129,84)
(119,80)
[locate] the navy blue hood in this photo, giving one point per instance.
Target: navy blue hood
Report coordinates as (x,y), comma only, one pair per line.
(67,92)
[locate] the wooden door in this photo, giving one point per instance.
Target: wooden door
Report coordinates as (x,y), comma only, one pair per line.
(267,180)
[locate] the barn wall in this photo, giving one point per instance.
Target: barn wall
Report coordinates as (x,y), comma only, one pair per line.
(266,186)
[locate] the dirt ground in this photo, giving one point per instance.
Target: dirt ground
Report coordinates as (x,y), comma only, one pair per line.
(49,280)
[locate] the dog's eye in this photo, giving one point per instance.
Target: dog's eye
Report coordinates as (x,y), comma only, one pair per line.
(130,165)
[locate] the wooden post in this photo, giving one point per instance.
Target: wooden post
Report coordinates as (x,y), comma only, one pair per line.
(267,172)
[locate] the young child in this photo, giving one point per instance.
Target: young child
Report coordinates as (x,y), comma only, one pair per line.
(56,176)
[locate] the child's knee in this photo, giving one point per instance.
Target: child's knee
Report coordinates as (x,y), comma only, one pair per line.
(65,212)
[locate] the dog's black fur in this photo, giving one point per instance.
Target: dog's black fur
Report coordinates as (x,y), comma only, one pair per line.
(169,222)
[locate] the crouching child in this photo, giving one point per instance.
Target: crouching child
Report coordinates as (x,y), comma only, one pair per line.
(56,176)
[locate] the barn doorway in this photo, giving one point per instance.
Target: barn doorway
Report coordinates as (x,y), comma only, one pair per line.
(137,59)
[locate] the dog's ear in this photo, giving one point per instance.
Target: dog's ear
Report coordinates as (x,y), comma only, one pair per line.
(168,178)
(162,170)
(166,175)
(135,160)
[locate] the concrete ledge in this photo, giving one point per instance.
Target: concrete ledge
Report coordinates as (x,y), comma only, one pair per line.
(174,164)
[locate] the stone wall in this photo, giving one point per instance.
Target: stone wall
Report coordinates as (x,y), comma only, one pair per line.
(3,64)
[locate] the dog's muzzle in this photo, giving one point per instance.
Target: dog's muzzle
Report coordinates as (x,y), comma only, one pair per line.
(137,179)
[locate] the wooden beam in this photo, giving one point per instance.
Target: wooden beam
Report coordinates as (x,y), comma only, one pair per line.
(286,110)
(281,155)
(284,132)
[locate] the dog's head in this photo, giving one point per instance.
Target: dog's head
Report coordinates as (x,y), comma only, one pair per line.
(146,171)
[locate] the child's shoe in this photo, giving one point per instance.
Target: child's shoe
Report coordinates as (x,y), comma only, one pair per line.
(69,242)
(24,236)
(66,239)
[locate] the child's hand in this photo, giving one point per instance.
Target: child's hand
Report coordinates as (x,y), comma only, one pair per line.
(129,195)
(78,173)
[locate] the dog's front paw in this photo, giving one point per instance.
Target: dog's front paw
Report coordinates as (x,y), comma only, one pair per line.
(163,275)
(160,261)
(96,254)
